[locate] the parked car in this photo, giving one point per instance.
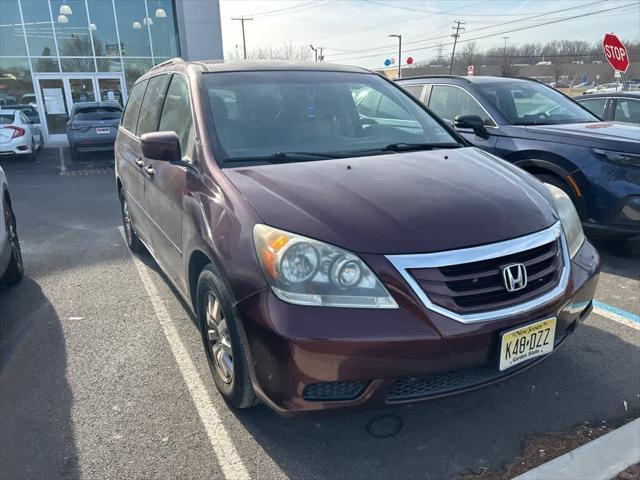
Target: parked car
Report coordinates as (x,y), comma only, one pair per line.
(92,127)
(34,119)
(18,136)
(546,133)
(616,107)
(332,260)
(605,88)
(11,267)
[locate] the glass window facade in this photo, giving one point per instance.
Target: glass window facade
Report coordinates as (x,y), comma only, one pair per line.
(66,37)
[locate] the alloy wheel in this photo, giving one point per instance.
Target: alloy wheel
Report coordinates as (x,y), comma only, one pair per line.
(126,220)
(218,338)
(10,220)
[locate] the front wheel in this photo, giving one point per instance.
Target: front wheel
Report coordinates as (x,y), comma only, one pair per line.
(225,349)
(15,270)
(133,241)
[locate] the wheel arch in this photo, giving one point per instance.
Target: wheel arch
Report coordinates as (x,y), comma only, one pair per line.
(545,163)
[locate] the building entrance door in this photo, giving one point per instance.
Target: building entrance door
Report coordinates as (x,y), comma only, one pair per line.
(56,93)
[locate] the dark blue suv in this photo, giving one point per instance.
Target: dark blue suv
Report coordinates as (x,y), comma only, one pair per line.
(549,135)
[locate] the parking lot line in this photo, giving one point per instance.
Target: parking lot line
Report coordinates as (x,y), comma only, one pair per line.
(226,453)
(617,314)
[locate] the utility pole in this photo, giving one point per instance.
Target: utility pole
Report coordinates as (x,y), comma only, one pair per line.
(505,44)
(399,37)
(316,50)
(458,27)
(440,50)
(244,42)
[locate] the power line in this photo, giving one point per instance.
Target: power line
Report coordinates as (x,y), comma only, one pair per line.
(512,30)
(495,25)
(449,12)
(311,4)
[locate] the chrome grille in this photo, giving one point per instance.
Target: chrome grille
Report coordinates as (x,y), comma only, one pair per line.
(479,286)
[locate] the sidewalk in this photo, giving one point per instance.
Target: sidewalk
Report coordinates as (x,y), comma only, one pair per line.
(601,459)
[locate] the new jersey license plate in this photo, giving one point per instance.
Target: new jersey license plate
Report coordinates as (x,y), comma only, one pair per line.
(102,130)
(524,343)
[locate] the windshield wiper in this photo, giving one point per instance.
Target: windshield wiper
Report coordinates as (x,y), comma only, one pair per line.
(284,156)
(405,147)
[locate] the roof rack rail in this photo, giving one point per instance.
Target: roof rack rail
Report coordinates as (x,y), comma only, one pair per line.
(171,61)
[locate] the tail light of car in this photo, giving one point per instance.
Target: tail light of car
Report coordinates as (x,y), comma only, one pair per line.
(17,131)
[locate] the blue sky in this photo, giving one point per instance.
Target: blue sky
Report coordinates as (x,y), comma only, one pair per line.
(355,31)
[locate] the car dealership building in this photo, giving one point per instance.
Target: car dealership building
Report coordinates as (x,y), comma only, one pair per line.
(54,53)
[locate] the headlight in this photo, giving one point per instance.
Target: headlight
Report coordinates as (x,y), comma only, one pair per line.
(569,218)
(308,272)
(620,158)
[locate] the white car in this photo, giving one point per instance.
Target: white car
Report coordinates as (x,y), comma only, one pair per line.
(606,88)
(11,267)
(18,136)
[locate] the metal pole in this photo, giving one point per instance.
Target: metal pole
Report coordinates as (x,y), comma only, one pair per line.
(455,36)
(315,50)
(399,37)
(399,56)
(244,42)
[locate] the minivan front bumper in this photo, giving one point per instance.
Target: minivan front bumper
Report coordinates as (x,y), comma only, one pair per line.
(314,358)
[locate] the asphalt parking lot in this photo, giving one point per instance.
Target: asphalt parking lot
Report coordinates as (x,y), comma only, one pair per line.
(102,373)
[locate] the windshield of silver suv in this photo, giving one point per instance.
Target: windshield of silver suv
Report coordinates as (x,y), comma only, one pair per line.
(276,116)
(531,103)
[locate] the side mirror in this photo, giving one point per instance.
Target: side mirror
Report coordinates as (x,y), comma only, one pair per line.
(163,146)
(473,122)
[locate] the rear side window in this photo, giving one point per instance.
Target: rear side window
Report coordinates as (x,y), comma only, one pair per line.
(415,90)
(130,117)
(151,105)
(594,105)
(176,114)
(6,119)
(627,110)
(98,113)
(448,102)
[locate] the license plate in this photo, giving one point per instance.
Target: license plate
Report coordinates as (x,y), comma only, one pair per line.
(102,130)
(525,343)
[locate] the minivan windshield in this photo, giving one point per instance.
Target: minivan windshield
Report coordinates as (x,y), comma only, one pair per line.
(531,103)
(276,116)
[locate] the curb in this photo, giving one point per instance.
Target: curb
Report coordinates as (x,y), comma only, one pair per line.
(601,459)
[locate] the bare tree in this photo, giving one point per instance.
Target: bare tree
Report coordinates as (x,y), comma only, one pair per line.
(469,53)
(557,70)
(290,52)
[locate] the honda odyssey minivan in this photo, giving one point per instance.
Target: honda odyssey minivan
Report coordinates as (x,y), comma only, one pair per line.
(332,260)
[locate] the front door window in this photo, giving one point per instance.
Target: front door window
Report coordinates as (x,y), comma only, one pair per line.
(82,90)
(110,89)
(54,101)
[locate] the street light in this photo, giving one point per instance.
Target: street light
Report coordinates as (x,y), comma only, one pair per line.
(315,50)
(399,37)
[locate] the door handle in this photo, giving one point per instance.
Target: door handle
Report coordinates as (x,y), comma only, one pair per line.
(139,162)
(149,169)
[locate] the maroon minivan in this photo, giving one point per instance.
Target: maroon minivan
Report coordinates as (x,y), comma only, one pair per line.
(334,258)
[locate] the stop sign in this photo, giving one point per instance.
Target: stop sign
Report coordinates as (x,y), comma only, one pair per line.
(615,52)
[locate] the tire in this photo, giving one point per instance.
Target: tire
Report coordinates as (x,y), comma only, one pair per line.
(33,156)
(220,330)
(15,270)
(133,240)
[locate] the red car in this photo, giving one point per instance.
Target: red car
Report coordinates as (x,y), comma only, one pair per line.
(333,259)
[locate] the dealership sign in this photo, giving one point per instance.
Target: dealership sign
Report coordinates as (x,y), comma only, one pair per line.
(615,52)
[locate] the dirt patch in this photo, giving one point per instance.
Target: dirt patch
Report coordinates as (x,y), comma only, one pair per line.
(631,473)
(545,447)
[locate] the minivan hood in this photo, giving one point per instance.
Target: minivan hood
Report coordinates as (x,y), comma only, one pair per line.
(409,202)
(623,136)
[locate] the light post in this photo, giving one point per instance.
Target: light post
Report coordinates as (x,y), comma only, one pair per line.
(399,37)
